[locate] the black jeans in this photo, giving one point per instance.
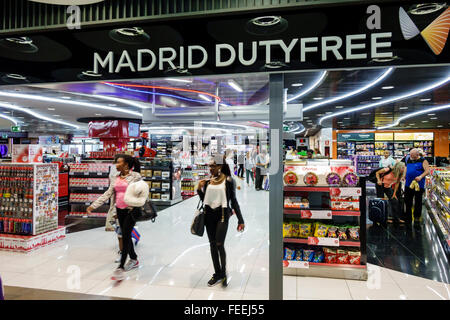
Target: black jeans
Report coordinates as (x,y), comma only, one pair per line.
(127,220)
(259,179)
(217,231)
(249,173)
(411,196)
(240,172)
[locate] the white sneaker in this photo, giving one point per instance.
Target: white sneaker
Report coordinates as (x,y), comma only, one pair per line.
(119,256)
(131,264)
(118,275)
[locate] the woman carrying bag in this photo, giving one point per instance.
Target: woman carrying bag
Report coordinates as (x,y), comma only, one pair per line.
(128,193)
(218,195)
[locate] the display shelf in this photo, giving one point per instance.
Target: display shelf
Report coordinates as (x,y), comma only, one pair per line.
(305,241)
(156,179)
(159,190)
(82,189)
(317,264)
(333,212)
(87,203)
(443,233)
(89,174)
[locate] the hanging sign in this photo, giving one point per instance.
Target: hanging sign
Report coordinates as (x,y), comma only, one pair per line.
(356,137)
(362,35)
(423,136)
(403,136)
(384,136)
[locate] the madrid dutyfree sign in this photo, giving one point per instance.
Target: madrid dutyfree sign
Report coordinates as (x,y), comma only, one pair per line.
(301,38)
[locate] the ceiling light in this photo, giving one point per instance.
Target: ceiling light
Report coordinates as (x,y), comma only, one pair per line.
(385,113)
(62,101)
(56,115)
(366,113)
(425,99)
(425,121)
(98,114)
(390,100)
(412,124)
(351,93)
(346,118)
(318,98)
(66,97)
(179,80)
(204,97)
(339,107)
(329,112)
(403,108)
(51,109)
(234,85)
(312,87)
(377,98)
(112,104)
(168,101)
(305,117)
(431,114)
(413,114)
(6,112)
(387,87)
(297,84)
(9,118)
(434,118)
(440,126)
(35,114)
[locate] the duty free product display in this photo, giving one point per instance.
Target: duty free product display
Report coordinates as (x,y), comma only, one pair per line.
(87,182)
(438,203)
(29,198)
(164,180)
(324,223)
(365,148)
(365,164)
(346,149)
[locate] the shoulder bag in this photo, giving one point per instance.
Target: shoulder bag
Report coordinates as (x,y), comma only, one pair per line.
(198,224)
(148,212)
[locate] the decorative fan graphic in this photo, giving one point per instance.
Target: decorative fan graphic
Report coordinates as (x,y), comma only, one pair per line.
(408,27)
(437,32)
(435,35)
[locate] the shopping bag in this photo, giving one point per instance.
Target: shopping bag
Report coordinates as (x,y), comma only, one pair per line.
(135,235)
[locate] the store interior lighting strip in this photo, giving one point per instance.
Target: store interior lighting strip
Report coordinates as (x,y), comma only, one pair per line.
(387,101)
(352,93)
(316,83)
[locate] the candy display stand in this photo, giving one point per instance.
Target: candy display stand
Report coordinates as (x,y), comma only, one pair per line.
(25,244)
(328,196)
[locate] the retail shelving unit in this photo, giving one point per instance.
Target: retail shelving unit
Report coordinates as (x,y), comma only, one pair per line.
(326,205)
(438,204)
(87,182)
(29,199)
(365,164)
(164,180)
(382,146)
(365,148)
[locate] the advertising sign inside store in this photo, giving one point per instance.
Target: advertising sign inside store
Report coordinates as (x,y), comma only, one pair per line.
(403,136)
(291,39)
(355,136)
(384,136)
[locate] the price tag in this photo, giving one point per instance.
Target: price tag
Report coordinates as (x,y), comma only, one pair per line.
(87,204)
(165,174)
(100,188)
(86,173)
(318,241)
(99,173)
(296,264)
(89,188)
(345,192)
(152,190)
(85,216)
(71,173)
(316,214)
(163,190)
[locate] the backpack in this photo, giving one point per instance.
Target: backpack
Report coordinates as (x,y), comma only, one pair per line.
(373,175)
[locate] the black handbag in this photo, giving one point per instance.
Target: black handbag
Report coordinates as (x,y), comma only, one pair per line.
(148,212)
(198,224)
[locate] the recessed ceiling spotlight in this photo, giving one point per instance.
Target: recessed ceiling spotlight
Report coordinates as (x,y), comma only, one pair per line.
(339,107)
(426,8)
(297,84)
(305,117)
(329,112)
(318,98)
(424,121)
(366,113)
(112,104)
(56,115)
(440,126)
(6,112)
(434,118)
(346,118)
(66,97)
(403,108)
(377,98)
(425,99)
(432,114)
(266,21)
(412,124)
(98,114)
(385,113)
(387,87)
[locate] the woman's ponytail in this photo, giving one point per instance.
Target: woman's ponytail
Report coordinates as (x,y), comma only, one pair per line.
(136,165)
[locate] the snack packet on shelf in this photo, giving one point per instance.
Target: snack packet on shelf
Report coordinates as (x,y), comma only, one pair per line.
(298,255)
(354,233)
(330,255)
(305,230)
(287,230)
(295,232)
(308,255)
(354,257)
(332,232)
(289,254)
(321,230)
(342,256)
(319,256)
(342,233)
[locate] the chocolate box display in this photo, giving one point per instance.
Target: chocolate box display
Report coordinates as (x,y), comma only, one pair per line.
(320,176)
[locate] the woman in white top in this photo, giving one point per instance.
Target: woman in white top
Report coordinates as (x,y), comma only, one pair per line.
(249,166)
(387,161)
(219,198)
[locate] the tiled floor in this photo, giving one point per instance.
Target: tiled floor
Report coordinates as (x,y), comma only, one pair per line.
(176,265)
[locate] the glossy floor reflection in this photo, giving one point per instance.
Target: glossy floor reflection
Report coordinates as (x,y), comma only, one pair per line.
(412,249)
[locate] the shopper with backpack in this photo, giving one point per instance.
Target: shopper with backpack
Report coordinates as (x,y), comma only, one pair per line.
(417,168)
(128,193)
(219,199)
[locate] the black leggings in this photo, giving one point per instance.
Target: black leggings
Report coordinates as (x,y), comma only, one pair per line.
(217,231)
(240,172)
(413,196)
(127,220)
